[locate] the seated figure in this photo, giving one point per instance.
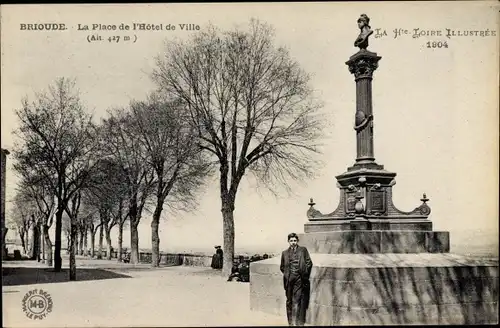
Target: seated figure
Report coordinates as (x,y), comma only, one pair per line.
(244,270)
(235,273)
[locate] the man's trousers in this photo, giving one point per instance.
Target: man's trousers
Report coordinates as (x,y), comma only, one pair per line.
(297,298)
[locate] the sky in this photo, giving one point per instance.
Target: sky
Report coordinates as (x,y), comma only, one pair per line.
(435,109)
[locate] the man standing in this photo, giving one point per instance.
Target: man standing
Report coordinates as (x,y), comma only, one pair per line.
(296,267)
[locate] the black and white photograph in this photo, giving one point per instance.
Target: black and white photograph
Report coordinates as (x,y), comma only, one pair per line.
(250,164)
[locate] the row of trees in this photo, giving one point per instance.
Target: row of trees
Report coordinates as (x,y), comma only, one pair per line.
(229,100)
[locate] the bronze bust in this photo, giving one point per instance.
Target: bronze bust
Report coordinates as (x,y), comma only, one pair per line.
(364,25)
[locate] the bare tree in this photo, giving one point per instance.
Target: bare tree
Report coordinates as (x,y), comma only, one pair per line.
(94,210)
(86,218)
(21,218)
(38,191)
(106,193)
(57,137)
(31,216)
(35,188)
(126,149)
(171,150)
(251,106)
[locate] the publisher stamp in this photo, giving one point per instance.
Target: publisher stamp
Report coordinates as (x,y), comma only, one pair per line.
(37,304)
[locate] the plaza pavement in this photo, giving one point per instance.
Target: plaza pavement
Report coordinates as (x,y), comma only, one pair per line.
(132,296)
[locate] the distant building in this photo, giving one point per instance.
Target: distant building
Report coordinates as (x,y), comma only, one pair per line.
(5,152)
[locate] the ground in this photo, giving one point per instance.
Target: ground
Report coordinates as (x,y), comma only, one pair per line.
(112,294)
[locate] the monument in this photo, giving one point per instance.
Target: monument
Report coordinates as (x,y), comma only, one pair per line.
(373,263)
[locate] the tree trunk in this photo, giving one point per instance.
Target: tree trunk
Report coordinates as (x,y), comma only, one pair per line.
(68,241)
(42,243)
(23,243)
(21,233)
(227,201)
(72,249)
(155,237)
(120,241)
(80,246)
(101,237)
(155,243)
(134,243)
(228,233)
(35,243)
(77,242)
(85,246)
(27,242)
(48,245)
(108,242)
(57,249)
(134,234)
(92,243)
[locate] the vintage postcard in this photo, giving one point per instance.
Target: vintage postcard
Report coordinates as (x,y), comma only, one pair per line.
(235,164)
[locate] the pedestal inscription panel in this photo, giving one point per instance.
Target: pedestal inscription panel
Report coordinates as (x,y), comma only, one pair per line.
(350,201)
(377,201)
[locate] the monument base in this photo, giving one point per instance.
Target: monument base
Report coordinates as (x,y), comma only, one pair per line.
(375,224)
(386,289)
(376,241)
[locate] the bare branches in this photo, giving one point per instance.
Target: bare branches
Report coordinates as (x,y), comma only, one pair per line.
(57,146)
(171,149)
(249,102)
(57,137)
(123,147)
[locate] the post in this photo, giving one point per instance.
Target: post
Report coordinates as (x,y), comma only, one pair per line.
(362,65)
(4,154)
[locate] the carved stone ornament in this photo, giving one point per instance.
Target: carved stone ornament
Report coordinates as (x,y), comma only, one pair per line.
(361,120)
(312,212)
(363,67)
(422,210)
(352,187)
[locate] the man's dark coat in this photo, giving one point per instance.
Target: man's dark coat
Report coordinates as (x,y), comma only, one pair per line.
(305,264)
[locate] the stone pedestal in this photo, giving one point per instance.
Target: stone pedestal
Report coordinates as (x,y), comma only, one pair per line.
(386,289)
(376,241)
